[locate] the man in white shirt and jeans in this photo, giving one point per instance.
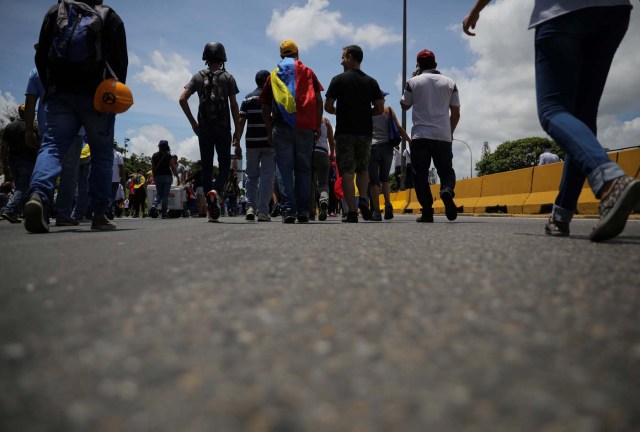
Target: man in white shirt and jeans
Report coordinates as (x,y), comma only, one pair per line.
(436,113)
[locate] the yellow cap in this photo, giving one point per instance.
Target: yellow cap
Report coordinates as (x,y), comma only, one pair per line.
(21,108)
(112,96)
(288,47)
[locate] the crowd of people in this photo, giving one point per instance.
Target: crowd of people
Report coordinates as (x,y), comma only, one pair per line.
(297,166)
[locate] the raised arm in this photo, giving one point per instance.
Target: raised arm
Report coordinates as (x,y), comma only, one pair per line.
(473,16)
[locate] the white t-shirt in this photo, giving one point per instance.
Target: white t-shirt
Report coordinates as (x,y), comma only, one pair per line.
(323,140)
(407,155)
(117,162)
(545,10)
(430,95)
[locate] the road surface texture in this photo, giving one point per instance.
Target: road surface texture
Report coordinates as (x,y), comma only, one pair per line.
(482,324)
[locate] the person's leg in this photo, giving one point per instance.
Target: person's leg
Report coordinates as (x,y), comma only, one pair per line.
(567,55)
(421,162)
(267,175)
(442,155)
(323,183)
(302,171)
(68,182)
(223,150)
(82,203)
(284,145)
(253,177)
(21,169)
(345,154)
(374,176)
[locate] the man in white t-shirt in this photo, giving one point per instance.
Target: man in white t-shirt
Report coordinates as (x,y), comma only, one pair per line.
(436,113)
(117,174)
(547,157)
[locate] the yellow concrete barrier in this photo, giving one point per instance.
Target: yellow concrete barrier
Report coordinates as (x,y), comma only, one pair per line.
(544,188)
(412,201)
(629,161)
(467,195)
(398,200)
(509,189)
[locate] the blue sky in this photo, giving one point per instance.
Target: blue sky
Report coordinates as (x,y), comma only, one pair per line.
(494,70)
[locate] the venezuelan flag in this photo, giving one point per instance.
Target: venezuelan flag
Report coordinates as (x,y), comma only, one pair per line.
(292,85)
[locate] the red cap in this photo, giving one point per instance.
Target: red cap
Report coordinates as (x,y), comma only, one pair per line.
(426,55)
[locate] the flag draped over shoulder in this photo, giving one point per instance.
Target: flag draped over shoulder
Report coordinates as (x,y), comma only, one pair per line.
(293,92)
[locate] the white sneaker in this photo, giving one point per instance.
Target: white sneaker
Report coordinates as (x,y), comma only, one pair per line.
(251,214)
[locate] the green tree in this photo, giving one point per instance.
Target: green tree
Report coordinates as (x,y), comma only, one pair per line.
(513,155)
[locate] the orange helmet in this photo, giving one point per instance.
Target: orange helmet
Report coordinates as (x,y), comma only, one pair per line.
(112,96)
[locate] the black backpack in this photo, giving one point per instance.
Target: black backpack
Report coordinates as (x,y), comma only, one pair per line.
(77,40)
(213,101)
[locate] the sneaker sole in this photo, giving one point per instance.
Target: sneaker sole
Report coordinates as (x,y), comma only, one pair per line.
(103,227)
(34,218)
(614,223)
(324,207)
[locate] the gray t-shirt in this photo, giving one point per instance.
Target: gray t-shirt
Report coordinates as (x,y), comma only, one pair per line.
(545,10)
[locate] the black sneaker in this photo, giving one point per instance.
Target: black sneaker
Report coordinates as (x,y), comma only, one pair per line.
(101,222)
(11,217)
(66,222)
(388,212)
(425,218)
(556,228)
(450,209)
(303,218)
(351,217)
(289,219)
(277,210)
(376,217)
(35,220)
(365,211)
(324,206)
(153,212)
(615,208)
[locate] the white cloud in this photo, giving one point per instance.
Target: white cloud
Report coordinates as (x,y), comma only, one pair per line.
(313,23)
(8,106)
(134,59)
(498,91)
(167,74)
(145,140)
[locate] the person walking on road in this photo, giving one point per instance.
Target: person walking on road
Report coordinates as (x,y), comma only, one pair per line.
(261,168)
(162,166)
(292,111)
(575,43)
(324,153)
(435,105)
(217,90)
(71,87)
(350,97)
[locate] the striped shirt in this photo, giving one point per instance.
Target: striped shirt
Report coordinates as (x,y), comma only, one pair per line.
(251,109)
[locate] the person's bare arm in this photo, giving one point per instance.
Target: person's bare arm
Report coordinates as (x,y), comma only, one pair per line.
(30,137)
(473,16)
(329,105)
(454,118)
(184,104)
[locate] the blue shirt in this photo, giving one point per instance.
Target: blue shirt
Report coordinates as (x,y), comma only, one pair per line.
(35,88)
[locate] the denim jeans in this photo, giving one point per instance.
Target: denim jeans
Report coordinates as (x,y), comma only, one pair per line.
(68,180)
(260,172)
(163,188)
(66,113)
(21,170)
(294,150)
(422,152)
(82,203)
(573,56)
(214,138)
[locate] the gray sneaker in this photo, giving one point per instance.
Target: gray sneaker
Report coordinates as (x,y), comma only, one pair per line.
(100,222)
(263,217)
(11,217)
(615,208)
(35,220)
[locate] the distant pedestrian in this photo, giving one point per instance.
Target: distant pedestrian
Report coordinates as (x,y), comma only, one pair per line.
(547,157)
(324,153)
(435,104)
(575,43)
(354,97)
(162,166)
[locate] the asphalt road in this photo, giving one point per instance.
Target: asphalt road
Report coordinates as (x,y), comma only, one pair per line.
(483,324)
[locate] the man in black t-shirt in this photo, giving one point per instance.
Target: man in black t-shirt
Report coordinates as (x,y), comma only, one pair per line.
(354,93)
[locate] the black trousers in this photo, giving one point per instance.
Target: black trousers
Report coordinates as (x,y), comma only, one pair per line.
(423,151)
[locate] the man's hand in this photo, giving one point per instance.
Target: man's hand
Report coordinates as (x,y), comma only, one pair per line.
(31,140)
(195,127)
(472,18)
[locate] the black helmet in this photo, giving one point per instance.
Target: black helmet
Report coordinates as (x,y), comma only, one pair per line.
(261,77)
(214,51)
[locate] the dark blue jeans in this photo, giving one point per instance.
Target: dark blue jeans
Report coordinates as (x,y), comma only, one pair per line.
(21,170)
(573,56)
(422,152)
(214,139)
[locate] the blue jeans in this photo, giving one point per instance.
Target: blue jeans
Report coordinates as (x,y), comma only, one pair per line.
(294,150)
(573,56)
(68,180)
(21,170)
(214,138)
(380,163)
(260,172)
(163,187)
(66,113)
(422,152)
(82,203)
